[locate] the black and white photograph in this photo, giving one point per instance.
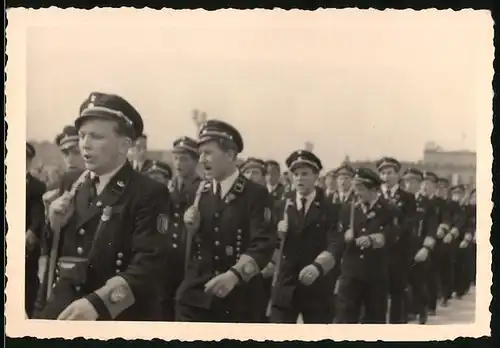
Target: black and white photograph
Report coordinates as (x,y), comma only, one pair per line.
(190,170)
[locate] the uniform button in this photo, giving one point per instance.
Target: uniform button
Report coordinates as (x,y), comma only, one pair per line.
(174,235)
(363,230)
(216,257)
(120,255)
(199,257)
(238,230)
(81,231)
(217,243)
(238,237)
(216,229)
(176,215)
(53,285)
(217,272)
(176,224)
(216,215)
(174,246)
(238,249)
(57,271)
(238,242)
(238,256)
(117,271)
(79,250)
(177,206)
(361,256)
(78,288)
(118,262)
(57,278)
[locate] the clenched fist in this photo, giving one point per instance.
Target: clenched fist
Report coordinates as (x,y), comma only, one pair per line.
(447,239)
(268,271)
(60,210)
(192,218)
(349,235)
(282,228)
(308,275)
(422,255)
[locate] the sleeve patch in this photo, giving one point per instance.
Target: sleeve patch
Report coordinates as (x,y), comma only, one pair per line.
(162,223)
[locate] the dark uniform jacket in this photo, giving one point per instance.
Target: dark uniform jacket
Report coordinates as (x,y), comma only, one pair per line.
(337,198)
(181,198)
(366,264)
(131,243)
(278,192)
(35,211)
(426,221)
(403,207)
(306,238)
(239,224)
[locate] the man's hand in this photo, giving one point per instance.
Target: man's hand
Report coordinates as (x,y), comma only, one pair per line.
(363,242)
(349,235)
(308,275)
(268,271)
(422,255)
(378,240)
(441,231)
(282,228)
(447,239)
(80,309)
(31,240)
(192,218)
(60,210)
(222,284)
(454,232)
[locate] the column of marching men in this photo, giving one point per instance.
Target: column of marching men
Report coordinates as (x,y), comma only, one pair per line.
(134,239)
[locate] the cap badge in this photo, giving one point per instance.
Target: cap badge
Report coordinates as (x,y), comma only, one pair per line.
(120,183)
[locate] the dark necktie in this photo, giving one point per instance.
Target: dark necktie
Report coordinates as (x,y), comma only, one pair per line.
(218,190)
(303,202)
(93,188)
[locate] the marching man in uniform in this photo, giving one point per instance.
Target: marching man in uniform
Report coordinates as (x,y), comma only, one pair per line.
(403,206)
(254,169)
(304,283)
(35,221)
(233,237)
(182,194)
(274,186)
(110,226)
(366,230)
(139,151)
(423,242)
(159,171)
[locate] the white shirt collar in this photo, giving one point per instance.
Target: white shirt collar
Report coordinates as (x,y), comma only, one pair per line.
(227,183)
(309,199)
(392,190)
(104,179)
(271,188)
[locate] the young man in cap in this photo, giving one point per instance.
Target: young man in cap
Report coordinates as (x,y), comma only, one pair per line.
(428,189)
(67,141)
(444,251)
(254,169)
(400,258)
(464,235)
(366,233)
(273,173)
(35,220)
(308,229)
(233,236)
(159,171)
(343,177)
(112,225)
(423,242)
(182,194)
(330,185)
(139,152)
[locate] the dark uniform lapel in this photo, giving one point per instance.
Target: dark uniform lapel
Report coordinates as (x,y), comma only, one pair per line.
(233,193)
(314,211)
(109,196)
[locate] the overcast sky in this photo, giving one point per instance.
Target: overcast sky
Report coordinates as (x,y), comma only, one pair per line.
(363,84)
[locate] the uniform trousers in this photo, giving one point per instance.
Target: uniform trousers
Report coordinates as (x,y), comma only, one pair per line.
(398,280)
(463,270)
(444,257)
(310,314)
(418,284)
(188,313)
(32,282)
(171,286)
(432,282)
(268,284)
(354,294)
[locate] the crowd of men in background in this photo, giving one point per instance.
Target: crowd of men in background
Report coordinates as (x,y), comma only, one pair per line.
(128,238)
